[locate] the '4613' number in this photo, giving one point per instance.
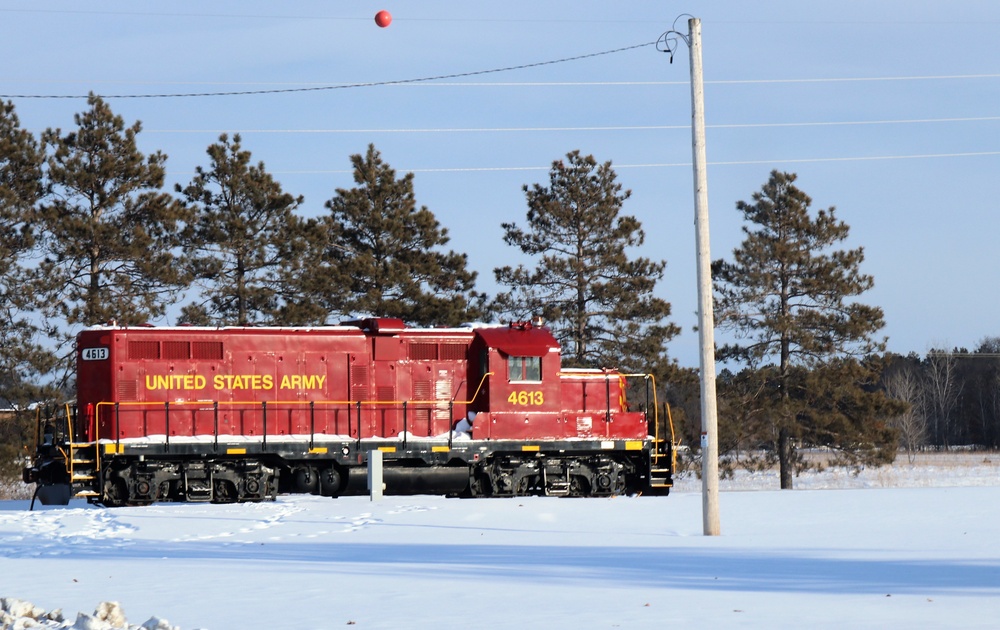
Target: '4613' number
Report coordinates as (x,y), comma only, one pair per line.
(525,398)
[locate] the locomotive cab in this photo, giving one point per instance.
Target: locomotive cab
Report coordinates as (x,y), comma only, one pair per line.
(520,396)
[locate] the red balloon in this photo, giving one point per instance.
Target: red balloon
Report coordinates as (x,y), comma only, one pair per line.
(383,18)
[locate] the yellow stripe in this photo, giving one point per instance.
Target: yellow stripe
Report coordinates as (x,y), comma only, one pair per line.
(440,449)
(113,448)
(318,450)
(387,449)
(236,451)
(531,447)
(633,445)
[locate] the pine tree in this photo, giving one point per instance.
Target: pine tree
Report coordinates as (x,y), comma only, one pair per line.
(311,290)
(378,254)
(108,231)
(598,302)
(789,299)
(24,362)
(242,235)
(20,191)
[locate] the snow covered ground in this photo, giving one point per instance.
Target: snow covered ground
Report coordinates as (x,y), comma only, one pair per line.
(908,546)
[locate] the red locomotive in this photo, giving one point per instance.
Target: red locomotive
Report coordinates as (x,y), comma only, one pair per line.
(242,414)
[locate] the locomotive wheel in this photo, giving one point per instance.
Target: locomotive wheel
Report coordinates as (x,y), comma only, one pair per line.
(115,493)
(224,492)
(579,486)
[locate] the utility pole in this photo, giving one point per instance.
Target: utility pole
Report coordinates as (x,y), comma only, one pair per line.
(706,317)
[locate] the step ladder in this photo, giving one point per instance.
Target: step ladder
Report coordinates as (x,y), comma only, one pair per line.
(661,467)
(83,467)
(663,457)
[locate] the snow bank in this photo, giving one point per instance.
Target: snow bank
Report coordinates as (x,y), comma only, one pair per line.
(18,614)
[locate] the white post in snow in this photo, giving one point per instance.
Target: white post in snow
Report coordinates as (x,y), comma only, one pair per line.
(375,483)
(706,318)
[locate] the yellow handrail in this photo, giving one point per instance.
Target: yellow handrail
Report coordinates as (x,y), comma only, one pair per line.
(673,443)
(304,403)
(656,421)
(250,403)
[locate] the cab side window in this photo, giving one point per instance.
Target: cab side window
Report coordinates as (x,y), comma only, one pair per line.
(524,369)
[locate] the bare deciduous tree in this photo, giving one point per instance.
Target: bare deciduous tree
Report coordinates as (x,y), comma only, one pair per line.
(904,385)
(941,388)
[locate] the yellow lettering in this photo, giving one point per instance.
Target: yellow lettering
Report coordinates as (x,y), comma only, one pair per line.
(526,398)
(240,381)
(177,381)
(301,381)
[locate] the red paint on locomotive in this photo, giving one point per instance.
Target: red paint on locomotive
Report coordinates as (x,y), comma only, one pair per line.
(370,379)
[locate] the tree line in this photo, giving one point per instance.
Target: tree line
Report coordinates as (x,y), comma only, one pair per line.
(90,235)
(953,396)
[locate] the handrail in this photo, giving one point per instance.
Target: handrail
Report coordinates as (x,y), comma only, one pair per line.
(69,425)
(656,407)
(656,404)
(310,404)
(673,449)
(436,401)
(656,421)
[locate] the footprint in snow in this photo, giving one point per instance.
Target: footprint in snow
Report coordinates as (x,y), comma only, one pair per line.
(274,515)
(411,508)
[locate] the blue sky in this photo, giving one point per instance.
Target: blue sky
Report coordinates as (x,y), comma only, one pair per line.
(887,109)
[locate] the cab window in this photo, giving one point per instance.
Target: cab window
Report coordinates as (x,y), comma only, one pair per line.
(524,368)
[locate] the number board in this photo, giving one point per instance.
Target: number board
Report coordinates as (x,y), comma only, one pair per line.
(94,354)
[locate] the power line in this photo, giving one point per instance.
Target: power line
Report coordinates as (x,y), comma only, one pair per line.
(434,82)
(341,86)
(484,169)
(328,84)
(437,81)
(844,123)
(929,77)
(869,158)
